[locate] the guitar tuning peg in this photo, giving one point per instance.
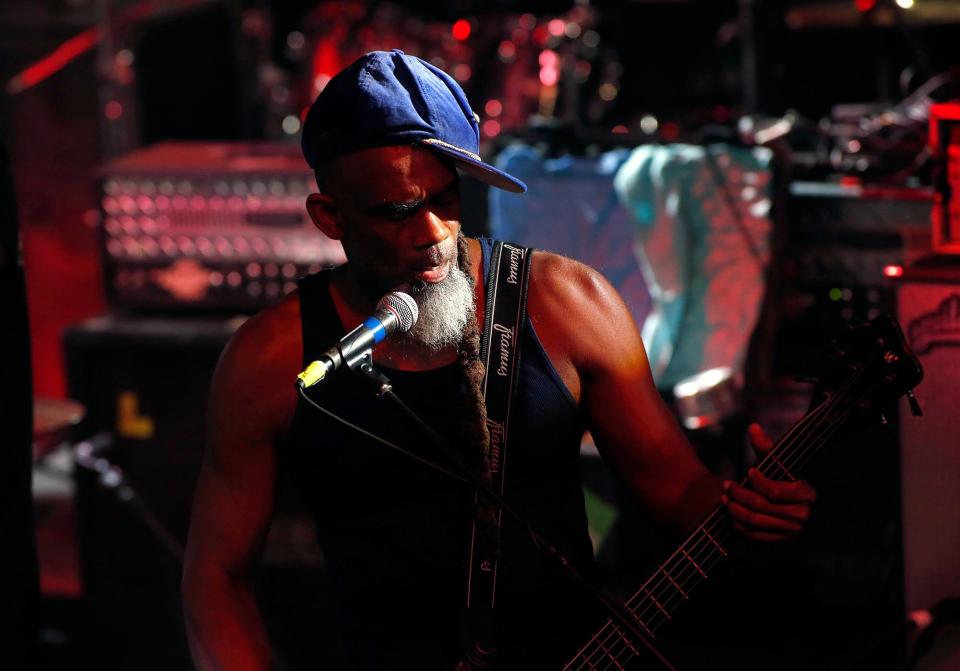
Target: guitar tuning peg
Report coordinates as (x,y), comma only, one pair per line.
(915,408)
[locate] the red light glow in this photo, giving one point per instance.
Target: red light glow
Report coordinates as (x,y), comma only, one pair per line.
(865,5)
(491,128)
(113,110)
(461,29)
(670,131)
(893,270)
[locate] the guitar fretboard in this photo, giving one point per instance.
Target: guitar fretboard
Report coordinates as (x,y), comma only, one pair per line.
(692,563)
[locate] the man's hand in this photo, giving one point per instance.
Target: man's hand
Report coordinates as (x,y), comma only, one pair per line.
(765,509)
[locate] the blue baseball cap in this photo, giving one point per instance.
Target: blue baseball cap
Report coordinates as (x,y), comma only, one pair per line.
(389,98)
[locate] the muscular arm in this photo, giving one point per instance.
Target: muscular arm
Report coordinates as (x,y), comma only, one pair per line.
(248,408)
(593,341)
(591,338)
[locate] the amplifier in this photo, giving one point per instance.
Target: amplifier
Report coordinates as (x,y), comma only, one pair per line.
(842,244)
(144,381)
(208,226)
(929,310)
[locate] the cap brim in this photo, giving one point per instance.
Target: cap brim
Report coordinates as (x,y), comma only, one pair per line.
(480,170)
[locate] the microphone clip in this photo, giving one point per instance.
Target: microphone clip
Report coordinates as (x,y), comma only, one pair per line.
(363,367)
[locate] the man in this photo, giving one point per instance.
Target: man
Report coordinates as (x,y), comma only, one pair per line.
(386,137)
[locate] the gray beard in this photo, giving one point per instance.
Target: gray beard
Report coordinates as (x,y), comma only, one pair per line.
(445,309)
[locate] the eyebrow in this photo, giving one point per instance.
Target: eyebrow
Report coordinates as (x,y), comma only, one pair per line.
(399,210)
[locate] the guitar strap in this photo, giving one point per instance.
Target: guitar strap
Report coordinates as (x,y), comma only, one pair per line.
(507,279)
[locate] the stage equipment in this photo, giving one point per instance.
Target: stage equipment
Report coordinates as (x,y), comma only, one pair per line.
(513,67)
(929,308)
(209,226)
(707,399)
(843,241)
(53,422)
(144,383)
(945,145)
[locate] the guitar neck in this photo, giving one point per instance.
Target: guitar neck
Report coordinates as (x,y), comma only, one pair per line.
(693,562)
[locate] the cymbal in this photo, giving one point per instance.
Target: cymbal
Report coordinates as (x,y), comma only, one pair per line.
(53,418)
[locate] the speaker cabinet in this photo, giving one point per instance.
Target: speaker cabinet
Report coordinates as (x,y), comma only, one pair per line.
(929,307)
(144,383)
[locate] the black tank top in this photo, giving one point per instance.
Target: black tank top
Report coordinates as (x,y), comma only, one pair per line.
(395,532)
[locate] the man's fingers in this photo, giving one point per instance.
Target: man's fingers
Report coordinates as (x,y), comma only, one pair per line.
(753,501)
(779,491)
(759,439)
(759,522)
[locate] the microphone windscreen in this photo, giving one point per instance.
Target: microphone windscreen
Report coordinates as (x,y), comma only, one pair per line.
(403,306)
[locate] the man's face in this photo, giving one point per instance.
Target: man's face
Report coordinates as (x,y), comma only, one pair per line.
(397,212)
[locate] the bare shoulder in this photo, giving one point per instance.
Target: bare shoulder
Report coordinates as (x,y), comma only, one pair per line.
(254,380)
(577,300)
(580,318)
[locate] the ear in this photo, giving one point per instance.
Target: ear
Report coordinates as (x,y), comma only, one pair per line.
(325,214)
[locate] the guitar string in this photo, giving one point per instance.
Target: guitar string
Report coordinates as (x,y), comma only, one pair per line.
(677,573)
(800,454)
(709,529)
(711,540)
(616,652)
(803,454)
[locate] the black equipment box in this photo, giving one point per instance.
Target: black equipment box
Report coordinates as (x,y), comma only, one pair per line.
(144,383)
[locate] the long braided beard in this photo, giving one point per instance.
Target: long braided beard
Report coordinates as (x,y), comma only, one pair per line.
(476,436)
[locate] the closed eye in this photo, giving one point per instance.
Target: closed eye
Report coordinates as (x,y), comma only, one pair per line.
(397,211)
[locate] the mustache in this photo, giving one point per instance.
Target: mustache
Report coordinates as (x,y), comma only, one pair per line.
(440,253)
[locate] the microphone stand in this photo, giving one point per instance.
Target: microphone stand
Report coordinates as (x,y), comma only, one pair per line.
(363,366)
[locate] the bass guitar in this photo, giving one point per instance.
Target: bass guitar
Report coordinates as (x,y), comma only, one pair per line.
(871,367)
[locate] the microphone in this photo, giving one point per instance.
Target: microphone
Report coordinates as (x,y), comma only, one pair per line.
(396,312)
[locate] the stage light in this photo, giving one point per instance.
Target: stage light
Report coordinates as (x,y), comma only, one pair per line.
(124,58)
(906,4)
(649,124)
(507,50)
(591,38)
(461,29)
(462,72)
(608,92)
(491,128)
(549,76)
(556,27)
(493,108)
(113,110)
(291,124)
(893,270)
(865,5)
(296,40)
